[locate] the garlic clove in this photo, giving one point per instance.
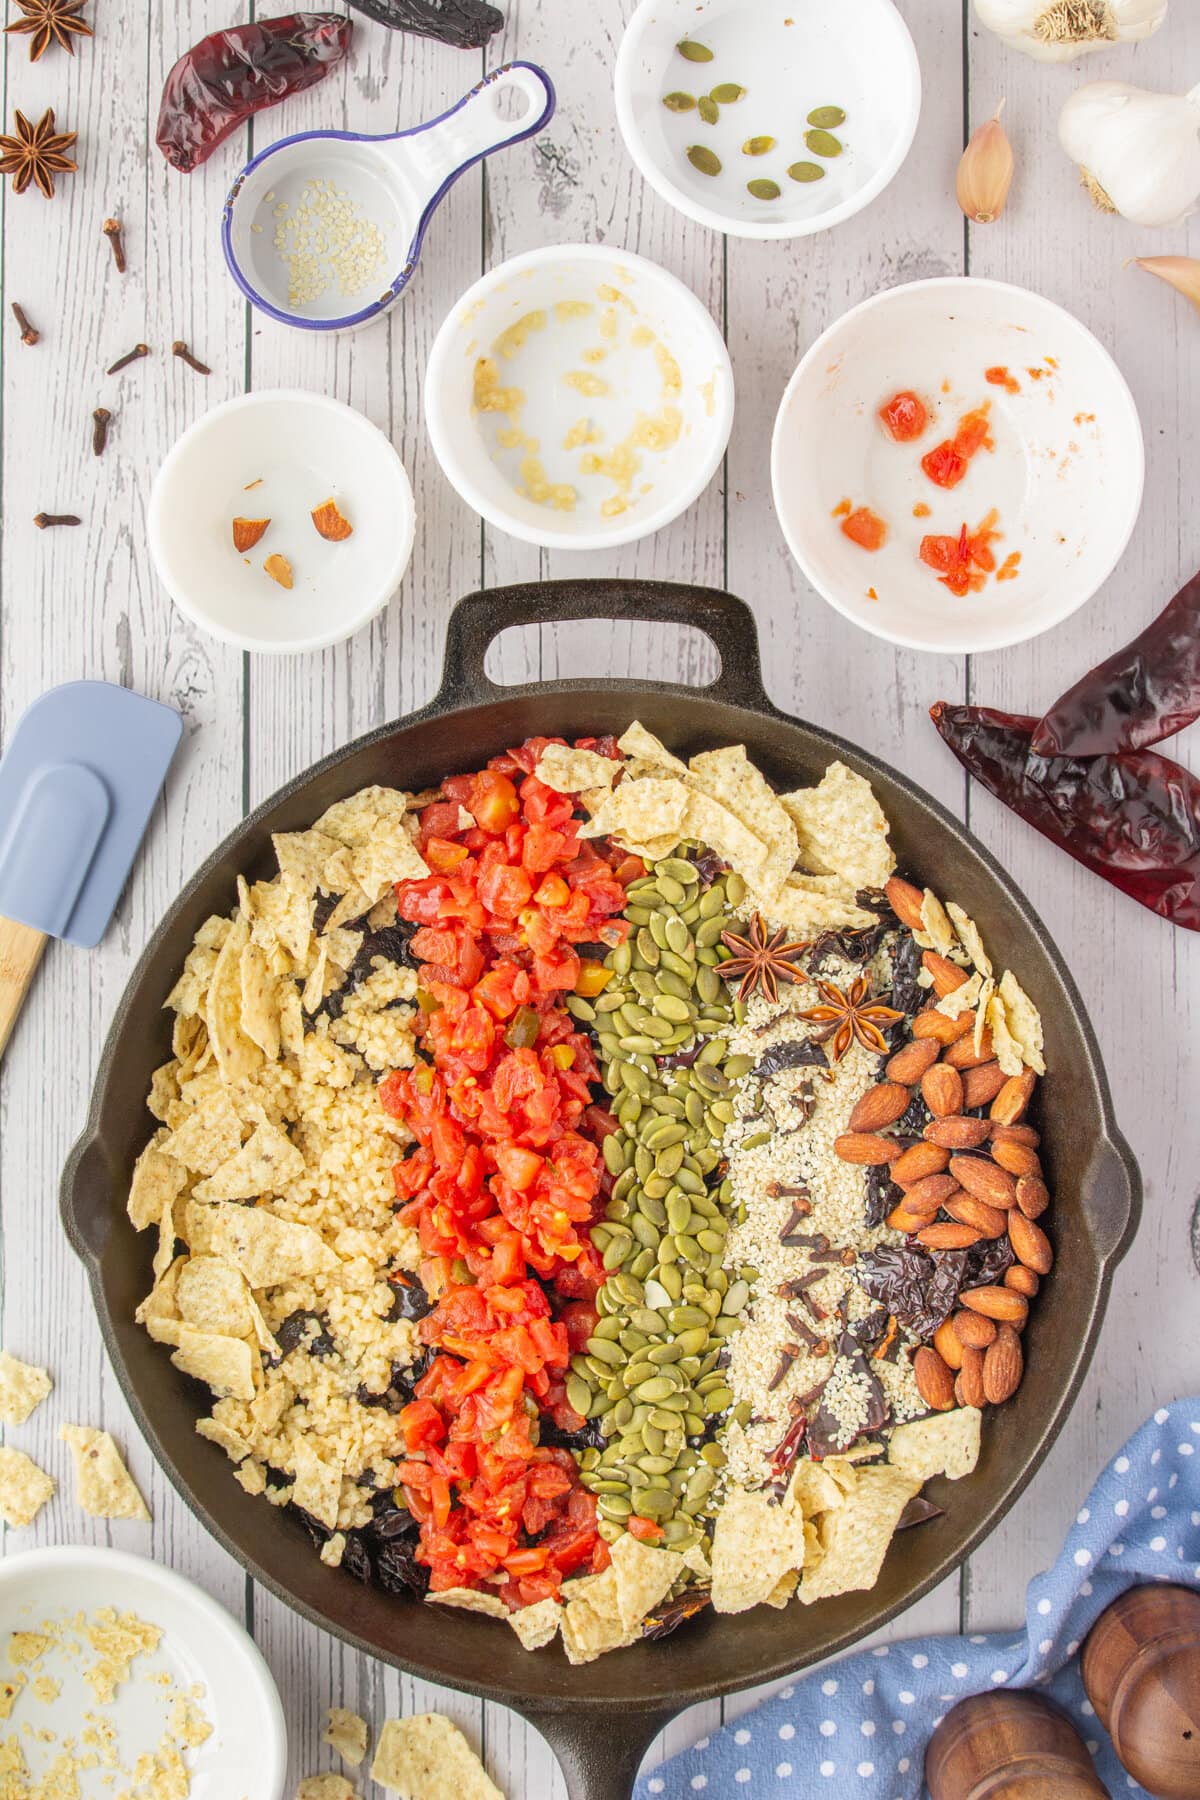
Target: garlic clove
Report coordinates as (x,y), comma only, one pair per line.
(1181,272)
(985,172)
(1061,30)
(1138,152)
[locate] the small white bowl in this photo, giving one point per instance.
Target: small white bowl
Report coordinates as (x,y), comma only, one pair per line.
(201,1645)
(1066,474)
(278,455)
(652,306)
(856,54)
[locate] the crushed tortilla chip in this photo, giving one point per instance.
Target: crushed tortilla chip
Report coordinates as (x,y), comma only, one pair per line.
(1008,1051)
(346,1733)
(571,771)
(841,828)
(945,1443)
(266,1164)
(268,1249)
(970,937)
(212,1296)
(325,1787)
(855,1536)
(10,1687)
(209,1137)
(23,1387)
(756,1541)
(537,1625)
(157,1182)
(427,1757)
(237,1054)
(640,811)
(938,933)
(643,1576)
(1024,1022)
(728,777)
(104,1487)
(476,1600)
(24,1489)
(224,1364)
(642,745)
(961,999)
(318,1488)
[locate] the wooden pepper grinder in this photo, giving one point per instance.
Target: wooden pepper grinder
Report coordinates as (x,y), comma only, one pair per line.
(1141,1669)
(1009,1746)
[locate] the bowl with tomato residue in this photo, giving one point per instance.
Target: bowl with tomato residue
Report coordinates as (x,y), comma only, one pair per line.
(957,465)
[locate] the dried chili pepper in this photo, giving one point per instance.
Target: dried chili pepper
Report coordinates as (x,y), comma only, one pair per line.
(1144,693)
(464,24)
(1131,817)
(228,77)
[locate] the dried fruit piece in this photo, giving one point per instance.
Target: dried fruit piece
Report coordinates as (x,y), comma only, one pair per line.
(279,569)
(247,532)
(331,524)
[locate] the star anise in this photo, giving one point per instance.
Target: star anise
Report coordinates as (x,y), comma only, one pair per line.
(847,1014)
(761,961)
(49,22)
(37,153)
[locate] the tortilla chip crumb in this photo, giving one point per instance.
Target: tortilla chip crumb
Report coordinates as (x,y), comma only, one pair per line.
(428,1758)
(24,1489)
(23,1387)
(346,1733)
(325,1787)
(105,1488)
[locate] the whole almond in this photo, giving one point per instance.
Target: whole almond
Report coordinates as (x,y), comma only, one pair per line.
(999,1303)
(973,1331)
(1010,1100)
(1016,1134)
(880,1106)
(942,1090)
(983,1179)
(982,1084)
(933,1024)
(934,1378)
(947,1235)
(933,1191)
(1018,1159)
(906,901)
(902,1218)
(1023,1280)
(1033,1196)
(957,1133)
(968,1389)
(1030,1243)
(918,1161)
(989,1221)
(864,1147)
(908,1065)
(947,1343)
(964,1055)
(946,975)
(1003,1366)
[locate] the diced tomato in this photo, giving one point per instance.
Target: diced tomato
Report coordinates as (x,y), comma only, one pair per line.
(948,463)
(905,416)
(944,466)
(865,528)
(962,563)
(493,802)
(645,1530)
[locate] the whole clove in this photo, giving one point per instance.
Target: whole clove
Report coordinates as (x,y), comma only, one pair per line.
(29,333)
(112,231)
(799,1329)
(787,1357)
(44,519)
(100,423)
(180,349)
(130,356)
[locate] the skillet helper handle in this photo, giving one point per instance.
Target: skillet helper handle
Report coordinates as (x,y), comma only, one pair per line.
(599,1753)
(20,953)
(479,125)
(479,619)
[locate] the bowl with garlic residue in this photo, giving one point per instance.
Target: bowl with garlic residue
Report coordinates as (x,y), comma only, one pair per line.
(579,397)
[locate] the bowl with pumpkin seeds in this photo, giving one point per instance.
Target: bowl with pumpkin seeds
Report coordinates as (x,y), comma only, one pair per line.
(763,120)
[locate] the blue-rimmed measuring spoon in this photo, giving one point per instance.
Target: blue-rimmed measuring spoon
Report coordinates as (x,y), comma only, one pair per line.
(323,230)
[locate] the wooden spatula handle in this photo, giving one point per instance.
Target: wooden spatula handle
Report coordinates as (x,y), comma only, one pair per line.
(20,953)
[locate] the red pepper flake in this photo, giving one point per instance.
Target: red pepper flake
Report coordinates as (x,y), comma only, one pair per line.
(842,509)
(1036,374)
(866,529)
(904,416)
(963,563)
(921,511)
(1010,567)
(1000,377)
(947,465)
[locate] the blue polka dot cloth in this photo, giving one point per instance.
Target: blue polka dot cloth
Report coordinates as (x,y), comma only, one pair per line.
(857,1729)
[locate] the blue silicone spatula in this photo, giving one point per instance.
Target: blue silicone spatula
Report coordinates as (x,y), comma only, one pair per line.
(78,783)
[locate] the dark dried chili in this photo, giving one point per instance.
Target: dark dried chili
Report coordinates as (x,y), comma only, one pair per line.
(228,77)
(791,1054)
(1133,818)
(463,24)
(1144,693)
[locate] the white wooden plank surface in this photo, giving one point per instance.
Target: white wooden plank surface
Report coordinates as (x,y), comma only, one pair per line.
(85,603)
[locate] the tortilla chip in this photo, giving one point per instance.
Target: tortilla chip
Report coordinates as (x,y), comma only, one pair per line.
(713,824)
(302,856)
(1008,1051)
(644,1575)
(641,811)
(318,1486)
(428,1758)
(807,909)
(476,1600)
(267,1249)
(236,1447)
(1024,1022)
(756,1541)
(571,771)
(212,1296)
(104,1487)
(24,1489)
(783,1590)
(9,1690)
(23,1387)
(970,938)
(855,1537)
(260,1007)
(346,1733)
(961,999)
(943,1444)
(237,1054)
(208,1137)
(591,1623)
(841,828)
(158,1312)
(325,1787)
(388,856)
(640,743)
(729,777)
(353,820)
(537,1625)
(981,1013)
(813,1488)
(157,1180)
(267,1163)
(225,1364)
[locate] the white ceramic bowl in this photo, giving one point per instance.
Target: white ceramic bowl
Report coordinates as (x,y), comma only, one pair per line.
(855,54)
(246,1754)
(552,285)
(301,449)
(1065,476)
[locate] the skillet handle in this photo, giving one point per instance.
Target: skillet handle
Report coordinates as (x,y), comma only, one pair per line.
(479,619)
(599,1753)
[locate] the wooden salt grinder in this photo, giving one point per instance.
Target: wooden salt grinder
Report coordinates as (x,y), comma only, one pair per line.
(1009,1746)
(1141,1669)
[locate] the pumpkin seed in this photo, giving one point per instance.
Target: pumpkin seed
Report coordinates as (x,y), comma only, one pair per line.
(693,51)
(828,118)
(823,143)
(605,1352)
(579,1394)
(758,146)
(719,1401)
(673,892)
(762,189)
(677,867)
(727,93)
(679,102)
(708,109)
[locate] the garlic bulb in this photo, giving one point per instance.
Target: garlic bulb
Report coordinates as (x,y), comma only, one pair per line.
(1059,30)
(1138,152)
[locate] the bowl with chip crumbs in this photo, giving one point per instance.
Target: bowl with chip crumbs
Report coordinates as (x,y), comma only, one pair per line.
(118,1675)
(282,521)
(765,119)
(957,465)
(579,397)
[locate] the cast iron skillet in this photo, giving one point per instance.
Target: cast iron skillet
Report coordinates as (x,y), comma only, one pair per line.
(600,1718)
